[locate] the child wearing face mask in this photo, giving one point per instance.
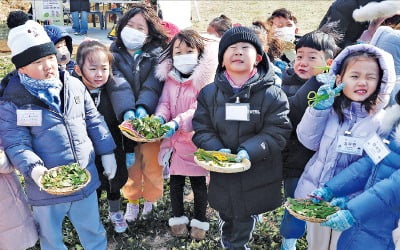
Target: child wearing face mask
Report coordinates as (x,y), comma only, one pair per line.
(245,113)
(284,24)
(140,40)
(63,43)
(338,127)
(186,66)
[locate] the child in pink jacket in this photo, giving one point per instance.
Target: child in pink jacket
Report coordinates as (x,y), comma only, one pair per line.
(17,228)
(187,64)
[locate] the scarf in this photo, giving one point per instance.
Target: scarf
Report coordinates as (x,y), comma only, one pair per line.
(47,90)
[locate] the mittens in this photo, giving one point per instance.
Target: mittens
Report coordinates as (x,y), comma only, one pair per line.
(340,221)
(225,150)
(321,194)
(173,127)
(140,112)
(38,171)
(340,202)
(109,165)
(242,154)
(129,115)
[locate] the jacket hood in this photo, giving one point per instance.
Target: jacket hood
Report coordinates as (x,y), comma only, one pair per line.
(203,73)
(388,39)
(374,10)
(57,33)
(385,62)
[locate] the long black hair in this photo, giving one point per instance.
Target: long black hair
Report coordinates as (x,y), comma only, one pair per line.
(157,36)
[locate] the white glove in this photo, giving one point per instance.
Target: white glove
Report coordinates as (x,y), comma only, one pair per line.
(38,171)
(109,165)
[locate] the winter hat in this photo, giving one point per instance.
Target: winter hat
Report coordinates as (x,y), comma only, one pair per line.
(374,10)
(57,33)
(27,40)
(236,35)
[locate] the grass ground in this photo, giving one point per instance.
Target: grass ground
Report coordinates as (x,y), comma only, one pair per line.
(153,233)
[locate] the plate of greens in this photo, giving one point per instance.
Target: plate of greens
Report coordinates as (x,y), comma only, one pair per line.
(305,209)
(146,129)
(65,179)
(220,162)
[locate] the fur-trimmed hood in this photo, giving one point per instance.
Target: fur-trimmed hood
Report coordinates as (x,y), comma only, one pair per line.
(391,122)
(203,73)
(385,63)
(374,10)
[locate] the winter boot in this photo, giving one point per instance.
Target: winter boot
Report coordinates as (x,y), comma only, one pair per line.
(198,229)
(179,226)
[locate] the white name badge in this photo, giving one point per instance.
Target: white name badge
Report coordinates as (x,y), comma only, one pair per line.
(29,117)
(376,149)
(237,111)
(350,145)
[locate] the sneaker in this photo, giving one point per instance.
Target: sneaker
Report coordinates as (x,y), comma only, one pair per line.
(288,244)
(132,212)
(147,208)
(118,221)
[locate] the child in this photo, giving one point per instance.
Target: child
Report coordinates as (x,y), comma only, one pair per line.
(337,127)
(314,52)
(244,82)
(284,24)
(94,67)
(17,230)
(186,65)
(140,40)
(367,220)
(48,119)
(219,25)
(63,43)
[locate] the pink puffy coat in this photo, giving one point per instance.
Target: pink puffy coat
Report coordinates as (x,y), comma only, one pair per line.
(178,101)
(17,228)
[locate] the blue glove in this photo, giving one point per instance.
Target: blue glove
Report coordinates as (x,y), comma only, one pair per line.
(340,202)
(225,150)
(140,112)
(242,154)
(326,93)
(339,221)
(173,127)
(321,194)
(162,121)
(130,160)
(129,115)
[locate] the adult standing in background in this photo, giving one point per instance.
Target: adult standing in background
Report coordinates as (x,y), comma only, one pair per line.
(80,22)
(342,11)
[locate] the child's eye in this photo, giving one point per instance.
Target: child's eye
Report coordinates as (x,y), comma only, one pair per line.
(299,57)
(313,58)
(353,76)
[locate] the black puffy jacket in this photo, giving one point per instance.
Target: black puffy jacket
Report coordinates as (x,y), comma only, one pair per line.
(258,189)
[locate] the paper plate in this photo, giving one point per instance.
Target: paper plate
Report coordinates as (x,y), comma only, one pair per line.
(129,132)
(65,190)
(227,167)
(287,205)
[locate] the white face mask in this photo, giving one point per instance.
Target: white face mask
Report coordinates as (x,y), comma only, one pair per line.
(286,33)
(132,38)
(63,56)
(186,63)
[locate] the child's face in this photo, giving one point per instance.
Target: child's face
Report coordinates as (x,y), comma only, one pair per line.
(95,70)
(181,48)
(139,23)
(309,62)
(361,78)
(240,58)
(63,55)
(41,69)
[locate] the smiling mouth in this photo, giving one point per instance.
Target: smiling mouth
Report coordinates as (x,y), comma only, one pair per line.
(361,92)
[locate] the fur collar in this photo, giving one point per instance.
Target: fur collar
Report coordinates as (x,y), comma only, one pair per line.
(204,72)
(391,119)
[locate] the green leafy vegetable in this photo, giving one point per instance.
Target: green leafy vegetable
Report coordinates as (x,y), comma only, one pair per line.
(72,176)
(307,208)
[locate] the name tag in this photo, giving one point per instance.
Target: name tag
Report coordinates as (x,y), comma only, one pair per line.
(350,145)
(237,111)
(376,149)
(29,117)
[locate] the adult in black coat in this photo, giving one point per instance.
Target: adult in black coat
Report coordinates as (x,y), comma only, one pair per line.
(79,11)
(342,11)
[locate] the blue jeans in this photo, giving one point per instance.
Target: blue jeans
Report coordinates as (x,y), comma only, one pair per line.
(290,226)
(83,214)
(80,25)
